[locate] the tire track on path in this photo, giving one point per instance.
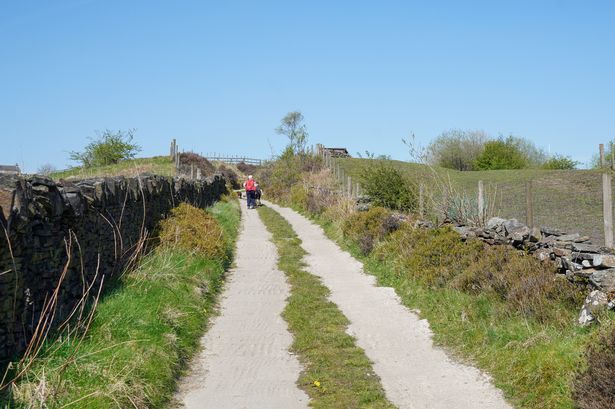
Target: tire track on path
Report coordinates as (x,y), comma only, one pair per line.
(414,373)
(245,361)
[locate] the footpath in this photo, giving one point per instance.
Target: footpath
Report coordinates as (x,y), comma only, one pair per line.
(245,361)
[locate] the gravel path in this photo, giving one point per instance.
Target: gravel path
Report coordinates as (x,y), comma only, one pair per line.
(245,361)
(414,373)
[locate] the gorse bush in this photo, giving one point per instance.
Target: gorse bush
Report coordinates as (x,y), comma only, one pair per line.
(370,227)
(387,187)
(108,149)
(193,230)
(439,259)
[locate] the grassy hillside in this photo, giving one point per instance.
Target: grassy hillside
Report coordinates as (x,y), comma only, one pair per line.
(570,200)
(159,165)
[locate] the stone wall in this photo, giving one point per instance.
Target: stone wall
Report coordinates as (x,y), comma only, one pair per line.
(83,231)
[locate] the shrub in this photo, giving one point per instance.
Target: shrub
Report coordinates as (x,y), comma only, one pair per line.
(193,230)
(560,162)
(368,228)
(108,149)
(387,187)
(246,168)
(230,175)
(594,388)
(456,149)
(501,154)
(438,258)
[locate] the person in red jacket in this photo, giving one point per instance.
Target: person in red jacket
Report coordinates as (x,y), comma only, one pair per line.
(250,186)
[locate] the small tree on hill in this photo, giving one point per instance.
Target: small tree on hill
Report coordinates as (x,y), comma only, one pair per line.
(109,148)
(294,129)
(501,154)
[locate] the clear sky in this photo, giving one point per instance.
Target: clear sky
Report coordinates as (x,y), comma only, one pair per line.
(219,75)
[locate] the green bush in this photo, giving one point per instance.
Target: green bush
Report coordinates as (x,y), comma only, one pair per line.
(560,162)
(110,148)
(368,228)
(387,187)
(501,154)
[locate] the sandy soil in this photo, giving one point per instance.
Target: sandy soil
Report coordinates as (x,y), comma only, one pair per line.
(245,361)
(414,373)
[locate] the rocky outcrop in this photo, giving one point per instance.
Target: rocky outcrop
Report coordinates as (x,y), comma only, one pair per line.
(76,233)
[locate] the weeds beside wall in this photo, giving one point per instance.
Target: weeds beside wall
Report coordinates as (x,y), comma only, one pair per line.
(62,240)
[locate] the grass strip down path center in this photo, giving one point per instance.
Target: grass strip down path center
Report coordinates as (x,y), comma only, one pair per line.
(337,372)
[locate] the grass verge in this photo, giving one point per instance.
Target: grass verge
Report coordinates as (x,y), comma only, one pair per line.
(142,334)
(337,373)
(533,362)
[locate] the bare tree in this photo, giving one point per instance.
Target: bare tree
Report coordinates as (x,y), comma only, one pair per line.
(294,129)
(46,169)
(456,149)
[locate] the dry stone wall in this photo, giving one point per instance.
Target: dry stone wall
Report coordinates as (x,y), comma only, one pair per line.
(85,230)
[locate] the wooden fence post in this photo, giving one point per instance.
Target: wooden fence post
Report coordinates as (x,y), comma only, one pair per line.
(421,200)
(349,186)
(602,160)
(607,209)
(612,157)
(198,173)
(481,203)
(357,190)
(529,204)
(192,171)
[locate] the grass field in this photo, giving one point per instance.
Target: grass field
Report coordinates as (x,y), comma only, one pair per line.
(337,373)
(570,200)
(159,165)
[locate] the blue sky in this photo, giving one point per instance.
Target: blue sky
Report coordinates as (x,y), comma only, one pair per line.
(218,76)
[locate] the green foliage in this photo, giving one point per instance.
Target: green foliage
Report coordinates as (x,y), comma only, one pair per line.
(456,149)
(142,335)
(501,154)
(337,373)
(560,162)
(370,227)
(193,230)
(108,149)
(387,187)
(294,129)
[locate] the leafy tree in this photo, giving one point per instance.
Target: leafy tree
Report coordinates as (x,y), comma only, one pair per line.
(387,187)
(560,162)
(456,149)
(294,129)
(501,154)
(109,148)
